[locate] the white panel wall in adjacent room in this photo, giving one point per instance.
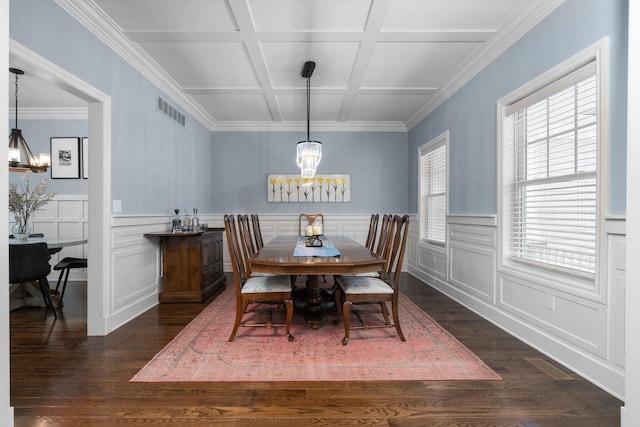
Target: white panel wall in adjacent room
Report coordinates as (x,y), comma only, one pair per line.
(65,216)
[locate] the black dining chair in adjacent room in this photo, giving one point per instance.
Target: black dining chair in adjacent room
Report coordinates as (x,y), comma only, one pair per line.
(65,266)
(29,262)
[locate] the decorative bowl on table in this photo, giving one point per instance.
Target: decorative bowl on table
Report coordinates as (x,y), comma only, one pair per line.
(313,242)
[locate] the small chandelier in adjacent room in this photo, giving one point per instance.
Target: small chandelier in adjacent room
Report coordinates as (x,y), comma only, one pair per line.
(17,144)
(309,153)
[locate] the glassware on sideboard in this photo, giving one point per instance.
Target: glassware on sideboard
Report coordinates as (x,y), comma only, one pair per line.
(195,221)
(176,223)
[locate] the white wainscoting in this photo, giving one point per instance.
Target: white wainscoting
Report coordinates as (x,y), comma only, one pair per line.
(584,333)
(137,263)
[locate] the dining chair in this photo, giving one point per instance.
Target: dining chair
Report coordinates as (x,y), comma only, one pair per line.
(373,230)
(246,239)
(65,266)
(30,263)
(384,247)
(255,290)
(359,289)
(257,233)
(309,219)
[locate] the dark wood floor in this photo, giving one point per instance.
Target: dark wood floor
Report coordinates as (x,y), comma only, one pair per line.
(61,377)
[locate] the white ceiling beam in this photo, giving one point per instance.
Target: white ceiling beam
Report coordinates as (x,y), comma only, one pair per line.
(242,16)
(377,15)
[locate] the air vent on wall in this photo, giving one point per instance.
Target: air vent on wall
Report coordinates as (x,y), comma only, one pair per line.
(170,111)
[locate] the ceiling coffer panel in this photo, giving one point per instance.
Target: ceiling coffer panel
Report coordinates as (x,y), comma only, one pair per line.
(382,64)
(211,65)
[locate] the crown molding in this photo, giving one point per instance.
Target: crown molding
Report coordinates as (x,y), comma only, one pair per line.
(242,126)
(91,16)
(520,23)
(31,113)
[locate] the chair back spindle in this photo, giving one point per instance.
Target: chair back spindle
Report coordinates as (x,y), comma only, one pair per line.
(257,233)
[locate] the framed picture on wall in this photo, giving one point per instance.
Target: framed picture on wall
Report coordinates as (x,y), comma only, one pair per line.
(65,158)
(85,158)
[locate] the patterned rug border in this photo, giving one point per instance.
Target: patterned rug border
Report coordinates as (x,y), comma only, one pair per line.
(368,357)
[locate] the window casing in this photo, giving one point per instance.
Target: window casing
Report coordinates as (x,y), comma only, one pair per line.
(550,175)
(433,190)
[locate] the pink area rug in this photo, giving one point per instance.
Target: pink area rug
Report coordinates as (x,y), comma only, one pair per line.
(201,351)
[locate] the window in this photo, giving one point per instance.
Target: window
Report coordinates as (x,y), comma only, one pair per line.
(433,190)
(550,156)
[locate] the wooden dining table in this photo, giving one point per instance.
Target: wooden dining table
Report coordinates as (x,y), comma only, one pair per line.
(277,257)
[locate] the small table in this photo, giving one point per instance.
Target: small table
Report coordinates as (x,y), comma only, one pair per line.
(277,257)
(30,295)
(54,245)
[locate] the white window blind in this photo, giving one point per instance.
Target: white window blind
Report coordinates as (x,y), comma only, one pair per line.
(433,192)
(553,196)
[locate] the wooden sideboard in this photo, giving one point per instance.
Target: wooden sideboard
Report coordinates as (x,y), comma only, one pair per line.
(191,265)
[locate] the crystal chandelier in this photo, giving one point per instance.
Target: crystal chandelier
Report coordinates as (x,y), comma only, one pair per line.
(17,144)
(309,153)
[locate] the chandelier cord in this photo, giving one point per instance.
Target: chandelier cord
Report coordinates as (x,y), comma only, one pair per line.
(16,101)
(308,105)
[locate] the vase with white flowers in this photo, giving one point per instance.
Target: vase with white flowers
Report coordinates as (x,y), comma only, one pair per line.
(24,200)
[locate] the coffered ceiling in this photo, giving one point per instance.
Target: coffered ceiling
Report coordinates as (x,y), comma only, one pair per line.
(235,64)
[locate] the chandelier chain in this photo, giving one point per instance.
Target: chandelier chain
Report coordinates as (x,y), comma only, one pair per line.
(16,101)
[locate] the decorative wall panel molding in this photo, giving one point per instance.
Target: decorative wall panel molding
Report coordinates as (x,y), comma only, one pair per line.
(582,330)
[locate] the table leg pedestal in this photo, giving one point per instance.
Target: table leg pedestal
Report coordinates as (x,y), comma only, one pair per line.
(314,302)
(313,309)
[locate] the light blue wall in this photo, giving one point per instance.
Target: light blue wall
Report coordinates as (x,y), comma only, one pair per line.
(470,114)
(376,162)
(37,133)
(156,164)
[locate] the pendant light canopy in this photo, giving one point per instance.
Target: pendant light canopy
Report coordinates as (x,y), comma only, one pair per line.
(309,153)
(17,144)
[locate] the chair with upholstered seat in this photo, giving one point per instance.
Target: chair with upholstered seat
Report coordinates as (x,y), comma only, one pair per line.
(29,262)
(255,290)
(366,290)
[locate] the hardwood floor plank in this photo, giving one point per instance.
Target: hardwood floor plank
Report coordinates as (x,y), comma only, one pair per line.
(61,377)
